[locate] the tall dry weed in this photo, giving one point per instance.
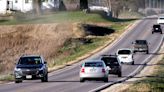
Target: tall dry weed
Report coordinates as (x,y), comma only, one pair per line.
(42,39)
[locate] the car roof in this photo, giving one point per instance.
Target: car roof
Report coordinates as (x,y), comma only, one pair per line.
(93,61)
(114,56)
(140,40)
(124,49)
(30,56)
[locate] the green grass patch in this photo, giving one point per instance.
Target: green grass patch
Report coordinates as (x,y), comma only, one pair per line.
(72,50)
(153,83)
(7,77)
(57,17)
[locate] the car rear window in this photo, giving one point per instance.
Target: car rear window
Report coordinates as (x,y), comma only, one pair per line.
(124,52)
(110,61)
(141,42)
(93,64)
(29,60)
(156,26)
(161,18)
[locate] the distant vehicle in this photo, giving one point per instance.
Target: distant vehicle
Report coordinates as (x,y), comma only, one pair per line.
(156,28)
(125,55)
(94,69)
(31,67)
(140,46)
(160,20)
(113,64)
(99,8)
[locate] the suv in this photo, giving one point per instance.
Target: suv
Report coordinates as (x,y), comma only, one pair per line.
(113,64)
(125,55)
(157,28)
(31,67)
(160,20)
(140,46)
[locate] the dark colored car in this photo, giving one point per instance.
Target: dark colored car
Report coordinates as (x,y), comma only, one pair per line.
(31,67)
(140,46)
(156,29)
(113,63)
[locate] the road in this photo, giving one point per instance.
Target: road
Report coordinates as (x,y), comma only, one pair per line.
(67,79)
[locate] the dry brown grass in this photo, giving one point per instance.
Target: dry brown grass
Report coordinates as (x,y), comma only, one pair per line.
(42,39)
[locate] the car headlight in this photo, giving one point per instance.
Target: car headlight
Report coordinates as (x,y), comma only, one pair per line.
(17,70)
(42,68)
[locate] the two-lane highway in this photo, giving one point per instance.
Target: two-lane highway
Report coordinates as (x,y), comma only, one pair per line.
(67,79)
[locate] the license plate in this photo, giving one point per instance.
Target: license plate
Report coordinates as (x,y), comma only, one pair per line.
(28,76)
(92,70)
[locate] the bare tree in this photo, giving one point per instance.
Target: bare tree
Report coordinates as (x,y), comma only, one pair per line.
(83,4)
(116,7)
(37,6)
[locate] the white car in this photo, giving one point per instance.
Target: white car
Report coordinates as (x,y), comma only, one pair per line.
(93,69)
(160,20)
(125,55)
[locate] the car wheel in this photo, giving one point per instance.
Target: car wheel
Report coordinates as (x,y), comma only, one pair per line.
(134,52)
(161,32)
(45,78)
(132,63)
(119,74)
(82,80)
(105,79)
(147,52)
(18,81)
(152,32)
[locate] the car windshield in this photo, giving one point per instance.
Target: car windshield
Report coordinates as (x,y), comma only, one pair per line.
(29,60)
(124,52)
(110,61)
(93,64)
(156,26)
(140,42)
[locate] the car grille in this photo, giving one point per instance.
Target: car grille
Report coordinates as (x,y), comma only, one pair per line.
(29,71)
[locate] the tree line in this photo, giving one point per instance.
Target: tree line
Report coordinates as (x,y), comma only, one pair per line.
(115,6)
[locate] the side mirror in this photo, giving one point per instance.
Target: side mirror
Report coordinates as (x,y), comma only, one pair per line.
(45,62)
(108,68)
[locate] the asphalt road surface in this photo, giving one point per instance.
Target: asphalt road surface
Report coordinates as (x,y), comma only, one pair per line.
(67,79)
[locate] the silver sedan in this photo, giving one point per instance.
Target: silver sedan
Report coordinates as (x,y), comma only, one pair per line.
(93,69)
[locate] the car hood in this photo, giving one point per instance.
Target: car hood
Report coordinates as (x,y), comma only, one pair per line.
(30,66)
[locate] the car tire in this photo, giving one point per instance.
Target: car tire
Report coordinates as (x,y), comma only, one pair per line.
(147,52)
(161,32)
(82,80)
(134,52)
(18,81)
(119,74)
(45,78)
(105,79)
(132,63)
(152,32)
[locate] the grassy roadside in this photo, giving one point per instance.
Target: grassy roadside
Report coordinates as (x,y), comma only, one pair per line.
(75,49)
(57,17)
(152,83)
(71,50)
